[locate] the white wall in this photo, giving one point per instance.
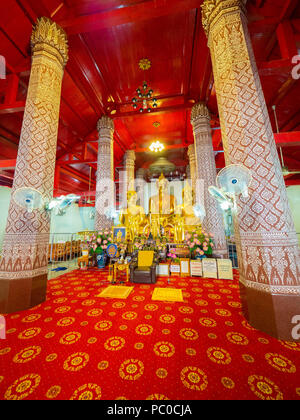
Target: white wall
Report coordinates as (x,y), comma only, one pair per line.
(77,218)
(5,194)
(293,193)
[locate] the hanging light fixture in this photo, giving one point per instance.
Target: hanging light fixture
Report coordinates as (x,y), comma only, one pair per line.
(144,100)
(156,147)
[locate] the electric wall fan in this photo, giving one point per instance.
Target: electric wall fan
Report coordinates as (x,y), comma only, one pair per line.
(29,199)
(231,181)
(60,204)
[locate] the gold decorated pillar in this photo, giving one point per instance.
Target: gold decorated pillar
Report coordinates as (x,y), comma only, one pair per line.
(192,165)
(188,172)
(206,174)
(105,186)
(129,159)
(265,236)
(23,266)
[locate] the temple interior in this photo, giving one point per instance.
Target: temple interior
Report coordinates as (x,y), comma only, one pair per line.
(149,201)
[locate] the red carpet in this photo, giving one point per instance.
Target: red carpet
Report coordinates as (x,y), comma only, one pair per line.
(76,345)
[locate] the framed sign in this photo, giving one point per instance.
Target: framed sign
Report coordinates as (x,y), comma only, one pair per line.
(196,268)
(175,269)
(112,250)
(163,270)
(225,269)
(209,267)
(184,266)
(119,233)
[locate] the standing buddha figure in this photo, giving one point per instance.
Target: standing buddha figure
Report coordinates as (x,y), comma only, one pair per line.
(189,221)
(161,207)
(133,217)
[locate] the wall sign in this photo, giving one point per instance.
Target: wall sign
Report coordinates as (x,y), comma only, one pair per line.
(225,269)
(163,269)
(196,268)
(184,266)
(175,268)
(209,266)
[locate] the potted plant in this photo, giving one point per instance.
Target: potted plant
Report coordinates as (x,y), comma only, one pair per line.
(174,263)
(201,244)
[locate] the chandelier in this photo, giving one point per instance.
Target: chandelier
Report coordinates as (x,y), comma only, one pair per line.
(144,100)
(144,97)
(156,147)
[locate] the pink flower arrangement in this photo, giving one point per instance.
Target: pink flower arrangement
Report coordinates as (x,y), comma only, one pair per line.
(100,242)
(173,257)
(200,243)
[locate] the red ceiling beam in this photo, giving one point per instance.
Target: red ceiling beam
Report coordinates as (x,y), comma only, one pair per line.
(75,174)
(76,162)
(7,164)
(11,108)
(120,16)
(158,110)
(292,181)
(287,139)
(286,39)
(288,9)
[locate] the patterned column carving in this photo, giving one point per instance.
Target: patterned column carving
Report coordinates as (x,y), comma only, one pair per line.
(105,188)
(23,267)
(267,245)
(192,165)
(129,159)
(206,171)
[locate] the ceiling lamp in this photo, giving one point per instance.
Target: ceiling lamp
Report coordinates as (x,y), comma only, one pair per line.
(161,165)
(156,147)
(144,99)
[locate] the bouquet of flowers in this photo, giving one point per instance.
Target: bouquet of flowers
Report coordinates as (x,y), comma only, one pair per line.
(200,243)
(139,243)
(100,242)
(171,256)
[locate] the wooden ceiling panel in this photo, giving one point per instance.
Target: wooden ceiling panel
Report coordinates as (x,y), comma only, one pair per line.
(107,38)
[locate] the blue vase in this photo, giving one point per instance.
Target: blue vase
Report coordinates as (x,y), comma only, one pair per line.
(101,260)
(200,257)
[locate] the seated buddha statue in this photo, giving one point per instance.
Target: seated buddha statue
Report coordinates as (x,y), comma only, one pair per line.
(161,207)
(133,217)
(186,212)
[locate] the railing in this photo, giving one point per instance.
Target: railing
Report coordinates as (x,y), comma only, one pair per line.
(232,254)
(64,248)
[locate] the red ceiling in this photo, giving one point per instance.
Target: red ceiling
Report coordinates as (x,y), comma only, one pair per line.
(107,38)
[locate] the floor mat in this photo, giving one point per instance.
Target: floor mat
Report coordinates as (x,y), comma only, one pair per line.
(167,294)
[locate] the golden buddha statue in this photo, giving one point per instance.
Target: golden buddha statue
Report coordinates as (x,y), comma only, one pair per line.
(133,217)
(186,219)
(161,207)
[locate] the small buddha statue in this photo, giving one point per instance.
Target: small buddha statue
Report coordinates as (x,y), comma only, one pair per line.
(133,217)
(161,207)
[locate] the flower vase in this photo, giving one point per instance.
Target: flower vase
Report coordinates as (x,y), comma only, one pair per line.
(101,260)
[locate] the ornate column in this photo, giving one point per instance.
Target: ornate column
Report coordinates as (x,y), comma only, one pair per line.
(129,159)
(266,241)
(23,267)
(206,171)
(192,161)
(105,186)
(140,186)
